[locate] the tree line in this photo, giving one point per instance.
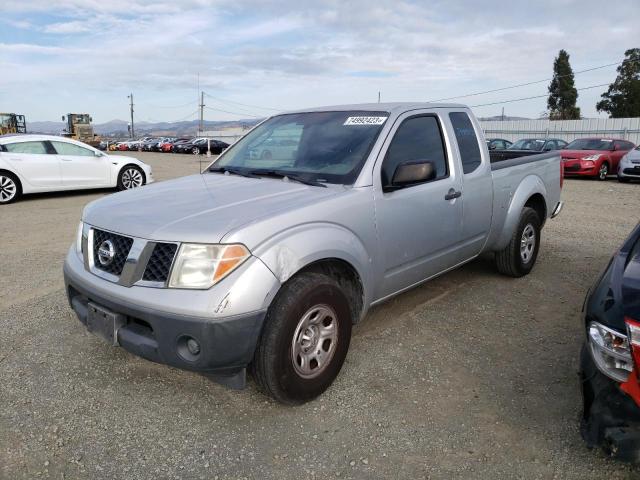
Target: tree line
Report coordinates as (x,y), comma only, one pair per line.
(622,98)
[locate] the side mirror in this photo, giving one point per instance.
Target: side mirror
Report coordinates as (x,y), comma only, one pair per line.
(63,118)
(615,147)
(412,172)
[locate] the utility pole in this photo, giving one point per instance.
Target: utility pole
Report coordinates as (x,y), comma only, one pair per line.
(378,96)
(201,112)
(130,96)
(502,116)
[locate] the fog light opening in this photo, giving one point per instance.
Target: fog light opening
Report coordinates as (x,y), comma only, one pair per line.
(188,348)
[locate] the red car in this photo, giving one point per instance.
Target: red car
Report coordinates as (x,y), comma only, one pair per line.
(593,157)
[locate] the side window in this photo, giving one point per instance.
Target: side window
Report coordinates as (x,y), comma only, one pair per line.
(467,141)
(627,145)
(418,138)
(64,148)
(550,145)
(26,147)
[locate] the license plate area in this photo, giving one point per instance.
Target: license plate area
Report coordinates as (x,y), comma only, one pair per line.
(104,323)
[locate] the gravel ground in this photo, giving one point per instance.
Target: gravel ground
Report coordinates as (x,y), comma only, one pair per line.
(472,375)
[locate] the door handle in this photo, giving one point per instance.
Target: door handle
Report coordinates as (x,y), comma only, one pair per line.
(451,194)
(66,160)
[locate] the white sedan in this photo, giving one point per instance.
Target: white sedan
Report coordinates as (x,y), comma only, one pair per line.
(46,163)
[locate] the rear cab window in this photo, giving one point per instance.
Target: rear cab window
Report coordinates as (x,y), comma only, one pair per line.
(467,141)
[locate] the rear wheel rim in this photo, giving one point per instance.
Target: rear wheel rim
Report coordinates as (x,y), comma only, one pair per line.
(527,243)
(131,178)
(195,151)
(8,189)
(315,341)
(604,170)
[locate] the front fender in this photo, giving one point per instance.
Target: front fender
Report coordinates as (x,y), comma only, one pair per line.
(291,250)
(528,187)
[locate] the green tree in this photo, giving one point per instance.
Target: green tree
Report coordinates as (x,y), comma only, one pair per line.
(562,90)
(623,97)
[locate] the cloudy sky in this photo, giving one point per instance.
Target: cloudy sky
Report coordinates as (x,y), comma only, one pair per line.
(256,57)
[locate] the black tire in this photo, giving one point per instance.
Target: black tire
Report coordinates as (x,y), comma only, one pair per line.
(195,151)
(510,260)
(123,183)
(603,172)
(9,183)
(273,362)
(623,179)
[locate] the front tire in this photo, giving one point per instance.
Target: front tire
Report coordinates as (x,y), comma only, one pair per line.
(130,177)
(519,256)
(603,172)
(623,179)
(305,339)
(10,188)
(195,151)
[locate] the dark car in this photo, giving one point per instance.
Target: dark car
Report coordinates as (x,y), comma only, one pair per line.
(148,145)
(498,144)
(527,146)
(611,356)
(199,145)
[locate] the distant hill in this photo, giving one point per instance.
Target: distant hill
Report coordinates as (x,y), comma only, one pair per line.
(118,128)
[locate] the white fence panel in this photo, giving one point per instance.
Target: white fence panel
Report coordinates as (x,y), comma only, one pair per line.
(625,128)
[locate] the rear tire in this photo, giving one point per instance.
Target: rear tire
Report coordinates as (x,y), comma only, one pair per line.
(10,188)
(305,339)
(519,256)
(195,151)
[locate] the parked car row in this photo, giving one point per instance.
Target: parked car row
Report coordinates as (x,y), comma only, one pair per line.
(195,145)
(584,157)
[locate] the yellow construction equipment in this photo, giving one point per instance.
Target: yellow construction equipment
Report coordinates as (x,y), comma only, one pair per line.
(12,123)
(79,128)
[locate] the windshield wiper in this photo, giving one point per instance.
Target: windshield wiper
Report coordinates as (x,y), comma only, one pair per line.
(233,171)
(289,175)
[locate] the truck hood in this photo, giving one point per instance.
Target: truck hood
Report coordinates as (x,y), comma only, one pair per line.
(199,208)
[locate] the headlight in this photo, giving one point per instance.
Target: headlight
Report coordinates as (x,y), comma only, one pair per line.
(201,266)
(595,156)
(610,351)
(79,238)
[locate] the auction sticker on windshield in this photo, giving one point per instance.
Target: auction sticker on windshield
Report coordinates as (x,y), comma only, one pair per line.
(364,120)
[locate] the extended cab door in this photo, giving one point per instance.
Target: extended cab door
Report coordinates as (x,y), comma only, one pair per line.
(420,225)
(33,161)
(82,167)
(477,182)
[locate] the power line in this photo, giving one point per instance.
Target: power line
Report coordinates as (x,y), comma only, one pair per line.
(243,104)
(233,113)
(525,84)
(169,106)
(531,98)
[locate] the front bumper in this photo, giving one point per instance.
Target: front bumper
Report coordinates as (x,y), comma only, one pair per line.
(629,170)
(611,418)
(578,168)
(225,320)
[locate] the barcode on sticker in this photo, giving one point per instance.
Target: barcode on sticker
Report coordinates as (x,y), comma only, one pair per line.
(364,121)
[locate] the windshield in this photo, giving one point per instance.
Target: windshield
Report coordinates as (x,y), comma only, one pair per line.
(590,144)
(528,144)
(326,147)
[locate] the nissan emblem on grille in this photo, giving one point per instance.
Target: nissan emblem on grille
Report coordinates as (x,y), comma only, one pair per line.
(106,253)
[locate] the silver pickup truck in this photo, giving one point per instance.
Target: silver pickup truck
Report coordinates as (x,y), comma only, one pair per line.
(267,259)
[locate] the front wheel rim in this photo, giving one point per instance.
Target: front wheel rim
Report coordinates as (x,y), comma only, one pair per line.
(131,178)
(603,172)
(314,341)
(527,243)
(8,189)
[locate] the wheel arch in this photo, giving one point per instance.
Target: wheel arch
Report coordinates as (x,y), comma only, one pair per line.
(16,175)
(531,192)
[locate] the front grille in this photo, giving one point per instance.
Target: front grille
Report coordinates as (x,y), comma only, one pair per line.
(121,247)
(631,171)
(159,263)
(572,168)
